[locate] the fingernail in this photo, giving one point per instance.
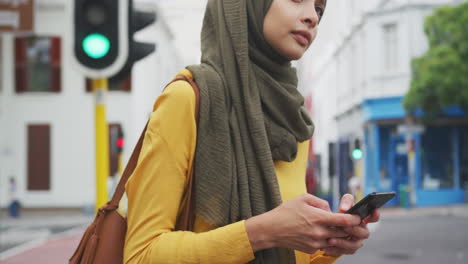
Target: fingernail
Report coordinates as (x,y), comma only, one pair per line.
(345,206)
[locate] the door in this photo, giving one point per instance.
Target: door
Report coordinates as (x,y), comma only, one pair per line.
(398,165)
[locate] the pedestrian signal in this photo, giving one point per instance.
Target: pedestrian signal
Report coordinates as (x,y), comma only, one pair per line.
(357,151)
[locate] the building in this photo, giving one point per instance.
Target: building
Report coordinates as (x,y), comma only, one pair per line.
(358,72)
(47,109)
(186,18)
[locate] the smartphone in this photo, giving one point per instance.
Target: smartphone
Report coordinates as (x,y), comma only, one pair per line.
(372,201)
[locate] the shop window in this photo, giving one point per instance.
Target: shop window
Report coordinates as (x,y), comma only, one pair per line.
(37,64)
(464,157)
(437,158)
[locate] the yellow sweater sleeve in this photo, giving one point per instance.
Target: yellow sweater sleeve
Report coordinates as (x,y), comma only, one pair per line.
(319,258)
(156,187)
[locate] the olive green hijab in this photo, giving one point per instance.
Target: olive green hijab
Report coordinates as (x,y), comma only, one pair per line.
(251,115)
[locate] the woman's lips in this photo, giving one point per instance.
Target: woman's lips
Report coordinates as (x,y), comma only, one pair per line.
(303,41)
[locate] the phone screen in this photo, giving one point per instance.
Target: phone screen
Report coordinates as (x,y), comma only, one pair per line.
(371,202)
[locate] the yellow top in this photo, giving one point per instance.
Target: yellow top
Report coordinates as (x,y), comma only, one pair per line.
(156,187)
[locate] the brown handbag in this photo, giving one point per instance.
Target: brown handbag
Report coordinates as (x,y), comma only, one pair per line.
(103,241)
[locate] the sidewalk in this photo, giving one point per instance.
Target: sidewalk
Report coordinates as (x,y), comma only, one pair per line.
(41,236)
(459,210)
(53,251)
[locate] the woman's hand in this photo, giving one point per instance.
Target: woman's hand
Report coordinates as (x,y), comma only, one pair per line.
(357,234)
(304,223)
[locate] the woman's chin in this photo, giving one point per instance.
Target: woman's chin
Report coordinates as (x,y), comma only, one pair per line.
(294,55)
(294,51)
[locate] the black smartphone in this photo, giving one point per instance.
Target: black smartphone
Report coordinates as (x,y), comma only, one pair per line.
(372,201)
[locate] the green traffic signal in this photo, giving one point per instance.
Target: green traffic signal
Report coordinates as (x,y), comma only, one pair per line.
(357,154)
(96,45)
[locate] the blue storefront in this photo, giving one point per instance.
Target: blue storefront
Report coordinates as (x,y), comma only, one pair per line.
(440,154)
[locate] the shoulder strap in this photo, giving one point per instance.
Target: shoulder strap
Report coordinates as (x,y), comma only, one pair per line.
(187,215)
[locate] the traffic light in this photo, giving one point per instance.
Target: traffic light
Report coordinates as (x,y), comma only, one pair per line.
(100,36)
(357,151)
(120,141)
(103,33)
(138,20)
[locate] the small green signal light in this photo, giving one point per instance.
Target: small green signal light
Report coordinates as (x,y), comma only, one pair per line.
(357,154)
(96,45)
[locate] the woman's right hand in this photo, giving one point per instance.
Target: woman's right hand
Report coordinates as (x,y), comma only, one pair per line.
(303,223)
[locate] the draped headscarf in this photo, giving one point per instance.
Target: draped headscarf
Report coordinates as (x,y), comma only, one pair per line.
(251,114)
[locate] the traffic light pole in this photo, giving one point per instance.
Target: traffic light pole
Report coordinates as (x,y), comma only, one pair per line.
(104,47)
(100,87)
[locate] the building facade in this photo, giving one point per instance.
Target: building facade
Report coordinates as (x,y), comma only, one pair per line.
(357,73)
(47,108)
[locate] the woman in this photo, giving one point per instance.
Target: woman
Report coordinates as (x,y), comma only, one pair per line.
(249,150)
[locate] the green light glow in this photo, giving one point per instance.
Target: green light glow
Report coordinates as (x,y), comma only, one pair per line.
(357,154)
(96,45)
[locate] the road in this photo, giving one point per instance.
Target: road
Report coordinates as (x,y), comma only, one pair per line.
(417,236)
(429,239)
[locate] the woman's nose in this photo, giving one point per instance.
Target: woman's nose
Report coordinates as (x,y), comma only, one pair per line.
(310,19)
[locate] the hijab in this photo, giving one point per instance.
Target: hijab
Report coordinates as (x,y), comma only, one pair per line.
(251,115)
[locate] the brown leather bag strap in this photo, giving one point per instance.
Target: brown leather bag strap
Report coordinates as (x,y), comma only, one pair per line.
(187,215)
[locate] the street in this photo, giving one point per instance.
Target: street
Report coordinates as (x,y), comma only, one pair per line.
(437,235)
(425,239)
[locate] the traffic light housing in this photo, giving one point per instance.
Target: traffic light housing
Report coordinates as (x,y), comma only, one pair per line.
(138,20)
(120,141)
(357,152)
(102,37)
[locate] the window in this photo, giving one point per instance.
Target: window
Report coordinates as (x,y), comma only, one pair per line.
(464,157)
(391,47)
(353,69)
(38,157)
(37,64)
(115,84)
(437,158)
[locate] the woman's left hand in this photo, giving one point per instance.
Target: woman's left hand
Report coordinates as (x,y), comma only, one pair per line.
(357,234)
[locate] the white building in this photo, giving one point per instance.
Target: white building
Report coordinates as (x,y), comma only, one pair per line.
(357,72)
(47,116)
(185,17)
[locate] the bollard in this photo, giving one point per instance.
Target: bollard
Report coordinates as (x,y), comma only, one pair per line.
(403,195)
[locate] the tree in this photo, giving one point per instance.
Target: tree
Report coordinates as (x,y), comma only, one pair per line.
(440,76)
